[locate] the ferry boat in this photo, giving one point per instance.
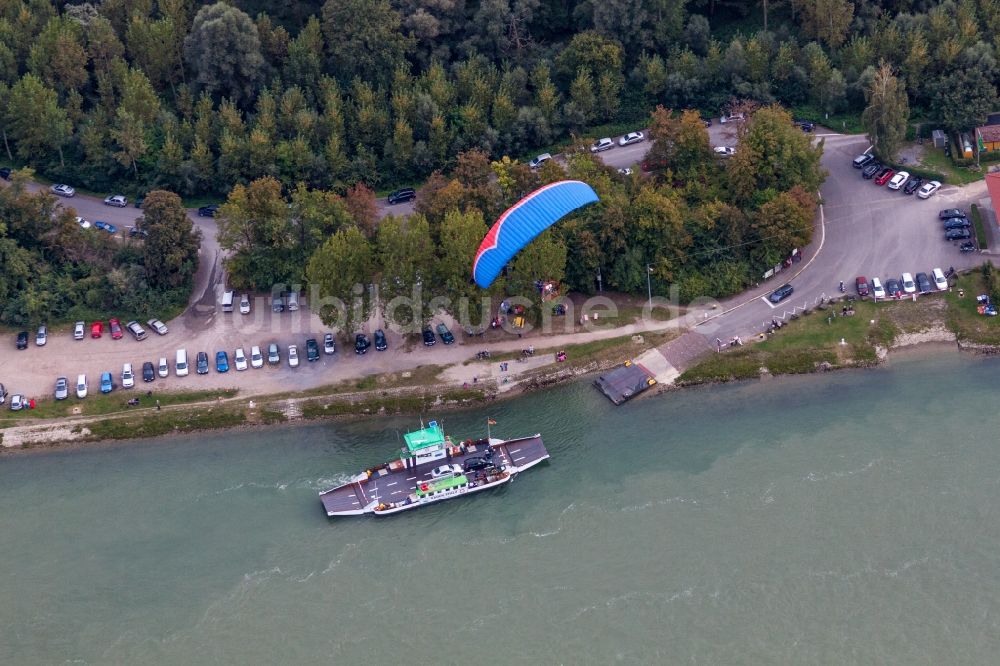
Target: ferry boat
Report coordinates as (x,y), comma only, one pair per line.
(432,468)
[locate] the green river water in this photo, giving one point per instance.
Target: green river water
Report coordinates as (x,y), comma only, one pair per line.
(842,518)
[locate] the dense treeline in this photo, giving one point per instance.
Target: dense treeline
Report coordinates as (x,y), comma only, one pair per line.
(136,95)
(54,270)
(708,226)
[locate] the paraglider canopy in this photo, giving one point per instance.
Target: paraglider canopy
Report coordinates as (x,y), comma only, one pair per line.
(523,221)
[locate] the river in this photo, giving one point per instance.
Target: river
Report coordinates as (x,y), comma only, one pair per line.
(842,518)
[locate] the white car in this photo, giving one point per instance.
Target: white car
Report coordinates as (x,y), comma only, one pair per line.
(78,330)
(158,326)
(63,190)
(293,356)
(731,118)
(539,161)
(17,402)
(928,190)
(42,336)
(940,281)
(898,180)
(625,171)
(245,304)
(602,144)
(256,358)
(81,386)
(445,471)
(329,344)
(724,151)
(163,369)
(240,359)
(630,138)
(908,286)
(128,377)
(878,291)
(84,224)
(118,200)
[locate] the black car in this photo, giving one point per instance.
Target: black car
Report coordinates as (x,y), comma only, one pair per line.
(403,195)
(22,340)
(951,212)
(381,344)
(957,223)
(474,463)
(446,335)
(871,170)
(139,199)
(312,350)
(923,283)
(781,293)
(892,288)
(208,211)
(428,337)
(201,364)
(3,394)
(912,184)
(957,234)
(861,160)
(805,125)
(5,173)
(148,373)
(361,343)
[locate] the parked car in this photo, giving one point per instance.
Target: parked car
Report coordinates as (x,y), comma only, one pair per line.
(923,283)
(42,336)
(446,335)
(539,160)
(62,388)
(908,286)
(118,200)
(110,228)
(861,284)
(137,331)
(148,372)
(134,232)
(732,118)
(106,383)
(602,144)
(381,344)
(329,344)
(625,171)
(957,234)
(100,224)
(928,190)
(293,356)
(201,363)
(402,195)
(240,360)
(428,335)
(273,354)
(208,211)
(781,293)
(97,329)
(128,377)
(139,200)
(940,281)
(877,290)
(806,125)
(116,329)
(912,184)
(62,190)
(17,402)
(81,386)
(632,137)
(163,368)
(724,151)
(312,350)
(951,212)
(22,340)
(79,332)
(361,343)
(884,176)
(278,303)
(221,361)
(256,358)
(245,304)
(3,394)
(863,160)
(84,224)
(158,326)
(898,180)
(892,288)
(446,471)
(871,170)
(473,463)
(5,173)
(956,223)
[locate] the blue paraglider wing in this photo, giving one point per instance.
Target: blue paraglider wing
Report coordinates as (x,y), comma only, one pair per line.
(523,221)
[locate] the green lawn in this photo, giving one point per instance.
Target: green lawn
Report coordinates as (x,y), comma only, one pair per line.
(934,158)
(97,403)
(964,319)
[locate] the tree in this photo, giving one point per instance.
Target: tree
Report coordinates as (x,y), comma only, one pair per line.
(58,56)
(339,273)
(170,251)
(406,255)
(963,99)
(363,39)
(223,49)
(255,227)
(827,20)
(887,113)
(783,224)
(36,121)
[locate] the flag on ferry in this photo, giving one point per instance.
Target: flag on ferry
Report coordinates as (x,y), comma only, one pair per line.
(490,421)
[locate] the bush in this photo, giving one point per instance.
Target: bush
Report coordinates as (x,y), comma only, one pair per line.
(977,222)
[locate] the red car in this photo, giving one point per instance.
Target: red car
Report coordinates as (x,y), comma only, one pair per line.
(116,329)
(884,177)
(96,329)
(861,284)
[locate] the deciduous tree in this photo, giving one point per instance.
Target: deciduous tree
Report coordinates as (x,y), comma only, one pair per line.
(170,251)
(887,113)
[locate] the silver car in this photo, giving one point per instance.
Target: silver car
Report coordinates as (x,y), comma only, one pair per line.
(62,388)
(78,330)
(42,336)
